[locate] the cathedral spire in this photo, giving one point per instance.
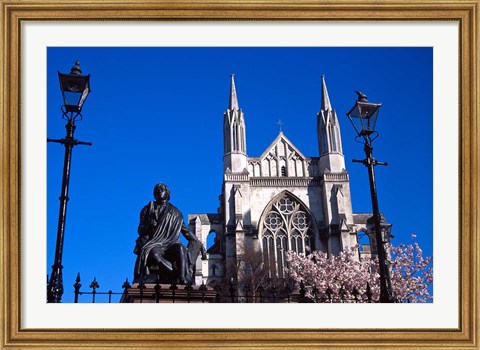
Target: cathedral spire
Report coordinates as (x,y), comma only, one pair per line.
(233,105)
(235,154)
(329,138)
(325,104)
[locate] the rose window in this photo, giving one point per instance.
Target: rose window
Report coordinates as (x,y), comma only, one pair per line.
(286,205)
(300,221)
(273,221)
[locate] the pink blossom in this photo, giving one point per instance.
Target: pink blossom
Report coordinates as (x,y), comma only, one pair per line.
(344,277)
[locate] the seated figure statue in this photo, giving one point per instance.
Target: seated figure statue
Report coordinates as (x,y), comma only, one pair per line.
(160,254)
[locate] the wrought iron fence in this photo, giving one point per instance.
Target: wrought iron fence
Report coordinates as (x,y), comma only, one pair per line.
(270,292)
(94,285)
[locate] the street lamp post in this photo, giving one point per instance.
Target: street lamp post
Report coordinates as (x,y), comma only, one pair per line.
(363,116)
(75,88)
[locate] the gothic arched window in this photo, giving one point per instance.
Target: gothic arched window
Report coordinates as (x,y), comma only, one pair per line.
(211,238)
(286,225)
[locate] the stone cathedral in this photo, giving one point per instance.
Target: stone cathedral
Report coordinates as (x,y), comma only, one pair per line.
(278,201)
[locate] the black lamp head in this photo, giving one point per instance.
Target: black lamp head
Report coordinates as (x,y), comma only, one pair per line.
(75,88)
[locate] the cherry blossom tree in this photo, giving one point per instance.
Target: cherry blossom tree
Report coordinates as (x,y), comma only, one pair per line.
(346,278)
(411,273)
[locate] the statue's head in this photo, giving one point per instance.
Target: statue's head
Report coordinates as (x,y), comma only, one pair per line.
(161,192)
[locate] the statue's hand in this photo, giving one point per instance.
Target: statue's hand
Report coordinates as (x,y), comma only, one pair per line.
(204,253)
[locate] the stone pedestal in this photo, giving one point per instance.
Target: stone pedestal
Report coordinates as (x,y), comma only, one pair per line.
(166,294)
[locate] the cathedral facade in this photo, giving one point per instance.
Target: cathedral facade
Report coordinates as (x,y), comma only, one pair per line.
(279,201)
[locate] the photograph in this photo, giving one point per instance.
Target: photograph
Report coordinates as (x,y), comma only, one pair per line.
(253,148)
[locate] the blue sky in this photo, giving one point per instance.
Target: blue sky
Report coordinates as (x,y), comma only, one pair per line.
(156,115)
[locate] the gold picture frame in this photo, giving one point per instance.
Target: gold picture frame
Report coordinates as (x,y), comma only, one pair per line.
(14,12)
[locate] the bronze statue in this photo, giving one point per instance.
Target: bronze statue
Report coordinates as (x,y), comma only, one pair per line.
(158,249)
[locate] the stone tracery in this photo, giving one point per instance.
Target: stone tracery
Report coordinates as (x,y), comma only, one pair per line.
(287,226)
